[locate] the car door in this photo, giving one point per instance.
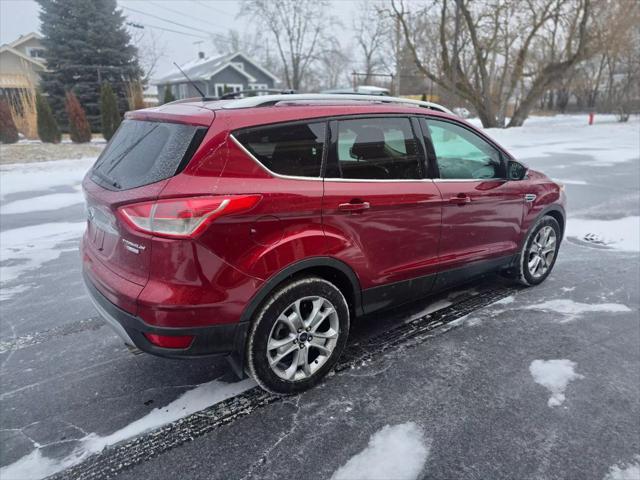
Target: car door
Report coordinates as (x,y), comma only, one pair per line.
(380,214)
(482,211)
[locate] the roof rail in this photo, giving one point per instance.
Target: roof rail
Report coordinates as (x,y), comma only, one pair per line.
(278,91)
(270,100)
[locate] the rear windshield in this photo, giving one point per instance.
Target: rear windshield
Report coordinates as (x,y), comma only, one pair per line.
(143,152)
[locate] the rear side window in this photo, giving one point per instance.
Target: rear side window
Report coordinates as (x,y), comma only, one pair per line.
(294,150)
(143,152)
(376,148)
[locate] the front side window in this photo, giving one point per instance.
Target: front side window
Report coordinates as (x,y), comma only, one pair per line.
(376,148)
(294,150)
(463,155)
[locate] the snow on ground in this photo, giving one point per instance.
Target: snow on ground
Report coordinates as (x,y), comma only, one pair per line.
(42,203)
(607,141)
(27,248)
(396,452)
(35,177)
(35,465)
(554,375)
(572,310)
(620,234)
(627,471)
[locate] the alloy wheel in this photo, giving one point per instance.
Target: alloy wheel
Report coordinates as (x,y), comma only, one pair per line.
(542,252)
(303,338)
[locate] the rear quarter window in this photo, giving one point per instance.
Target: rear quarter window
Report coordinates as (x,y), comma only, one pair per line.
(293,150)
(144,152)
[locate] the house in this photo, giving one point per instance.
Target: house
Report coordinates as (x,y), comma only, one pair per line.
(215,76)
(21,63)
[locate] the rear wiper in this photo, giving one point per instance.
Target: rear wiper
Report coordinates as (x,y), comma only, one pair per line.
(107,179)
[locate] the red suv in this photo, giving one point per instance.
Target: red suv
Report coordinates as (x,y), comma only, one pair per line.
(258,228)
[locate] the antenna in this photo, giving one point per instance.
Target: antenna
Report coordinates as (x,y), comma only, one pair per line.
(189,80)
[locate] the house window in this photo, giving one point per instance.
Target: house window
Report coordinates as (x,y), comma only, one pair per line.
(259,86)
(34,52)
(184,92)
(222,88)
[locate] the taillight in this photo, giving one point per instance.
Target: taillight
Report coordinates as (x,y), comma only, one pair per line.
(184,217)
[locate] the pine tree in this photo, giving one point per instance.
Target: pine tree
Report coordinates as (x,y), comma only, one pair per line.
(109,111)
(168,96)
(48,130)
(79,128)
(8,130)
(86,44)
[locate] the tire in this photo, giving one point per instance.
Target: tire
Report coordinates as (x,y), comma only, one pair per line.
(277,339)
(528,271)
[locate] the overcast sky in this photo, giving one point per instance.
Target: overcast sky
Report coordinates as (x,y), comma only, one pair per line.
(196,17)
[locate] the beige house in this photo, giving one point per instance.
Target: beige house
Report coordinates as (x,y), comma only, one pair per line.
(21,63)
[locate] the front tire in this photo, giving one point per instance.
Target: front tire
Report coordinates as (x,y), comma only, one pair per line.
(539,253)
(298,335)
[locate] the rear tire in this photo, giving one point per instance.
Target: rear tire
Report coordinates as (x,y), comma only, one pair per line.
(539,253)
(297,335)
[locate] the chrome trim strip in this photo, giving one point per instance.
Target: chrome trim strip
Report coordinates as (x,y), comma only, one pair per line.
(445,180)
(366,180)
(260,100)
(250,155)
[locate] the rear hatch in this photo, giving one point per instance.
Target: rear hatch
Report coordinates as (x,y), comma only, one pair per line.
(145,152)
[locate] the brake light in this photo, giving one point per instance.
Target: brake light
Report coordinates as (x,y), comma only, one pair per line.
(184,217)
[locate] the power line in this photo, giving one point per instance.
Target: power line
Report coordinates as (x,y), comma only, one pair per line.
(172,10)
(211,8)
(144,25)
(208,32)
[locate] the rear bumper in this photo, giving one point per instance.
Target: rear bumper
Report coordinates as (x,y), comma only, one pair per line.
(210,340)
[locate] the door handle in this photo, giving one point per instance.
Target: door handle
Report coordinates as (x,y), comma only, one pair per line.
(460,199)
(354,206)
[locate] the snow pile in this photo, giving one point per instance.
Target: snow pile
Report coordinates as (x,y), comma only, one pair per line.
(554,375)
(35,465)
(620,234)
(630,471)
(573,310)
(396,452)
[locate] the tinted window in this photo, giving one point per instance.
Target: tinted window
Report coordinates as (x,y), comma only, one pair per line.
(376,148)
(462,154)
(145,152)
(294,150)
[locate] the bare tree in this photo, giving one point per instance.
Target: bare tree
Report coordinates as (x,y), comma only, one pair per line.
(151,48)
(298,27)
(371,33)
(491,54)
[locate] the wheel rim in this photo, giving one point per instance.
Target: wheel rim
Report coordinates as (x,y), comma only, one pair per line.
(303,338)
(542,252)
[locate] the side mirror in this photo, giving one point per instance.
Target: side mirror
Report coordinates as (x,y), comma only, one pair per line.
(516,171)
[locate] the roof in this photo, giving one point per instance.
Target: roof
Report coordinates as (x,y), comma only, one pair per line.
(10,49)
(205,68)
(25,38)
